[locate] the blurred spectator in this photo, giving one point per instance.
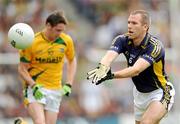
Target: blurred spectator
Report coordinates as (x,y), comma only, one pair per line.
(94,100)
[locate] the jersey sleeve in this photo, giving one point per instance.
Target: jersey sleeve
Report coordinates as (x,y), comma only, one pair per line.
(25,55)
(70,52)
(153,53)
(118,44)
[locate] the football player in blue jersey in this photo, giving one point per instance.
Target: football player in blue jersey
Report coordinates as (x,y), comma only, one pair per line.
(153,93)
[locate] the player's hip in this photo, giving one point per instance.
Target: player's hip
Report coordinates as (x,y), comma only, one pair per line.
(51,99)
(142,100)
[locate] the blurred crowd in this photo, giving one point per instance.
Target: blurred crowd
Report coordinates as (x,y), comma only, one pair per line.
(108,19)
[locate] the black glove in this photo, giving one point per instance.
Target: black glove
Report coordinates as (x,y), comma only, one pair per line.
(109,76)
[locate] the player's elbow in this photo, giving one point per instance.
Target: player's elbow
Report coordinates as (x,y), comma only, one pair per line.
(20,69)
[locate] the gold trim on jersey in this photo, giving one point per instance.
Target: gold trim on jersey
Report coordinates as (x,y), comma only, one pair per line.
(157,47)
(158,70)
(144,43)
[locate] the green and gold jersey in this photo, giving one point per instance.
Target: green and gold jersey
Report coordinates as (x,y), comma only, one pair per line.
(46,59)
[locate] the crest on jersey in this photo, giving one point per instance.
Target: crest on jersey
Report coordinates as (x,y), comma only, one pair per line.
(61,50)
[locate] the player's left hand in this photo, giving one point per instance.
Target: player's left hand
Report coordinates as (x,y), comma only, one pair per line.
(20,120)
(99,74)
(67,89)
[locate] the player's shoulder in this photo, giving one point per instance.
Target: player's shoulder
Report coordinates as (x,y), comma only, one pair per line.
(155,46)
(154,41)
(38,37)
(121,38)
(66,37)
(38,34)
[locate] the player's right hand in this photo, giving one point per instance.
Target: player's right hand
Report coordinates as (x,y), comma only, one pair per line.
(37,92)
(98,73)
(109,76)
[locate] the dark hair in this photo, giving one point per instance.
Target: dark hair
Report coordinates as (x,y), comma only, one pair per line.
(145,16)
(55,18)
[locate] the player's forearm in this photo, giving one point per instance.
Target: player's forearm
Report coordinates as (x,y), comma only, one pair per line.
(25,75)
(127,72)
(109,58)
(71,70)
(139,66)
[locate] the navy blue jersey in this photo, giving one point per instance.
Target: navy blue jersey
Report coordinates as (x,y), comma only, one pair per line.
(150,49)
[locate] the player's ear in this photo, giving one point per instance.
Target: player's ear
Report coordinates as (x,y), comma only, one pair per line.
(146,27)
(48,25)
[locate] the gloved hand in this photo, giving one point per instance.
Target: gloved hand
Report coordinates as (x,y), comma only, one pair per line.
(38,94)
(99,74)
(109,76)
(20,120)
(67,89)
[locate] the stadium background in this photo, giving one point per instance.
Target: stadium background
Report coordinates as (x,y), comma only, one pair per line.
(92,24)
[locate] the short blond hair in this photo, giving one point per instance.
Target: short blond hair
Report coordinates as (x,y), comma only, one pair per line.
(145,16)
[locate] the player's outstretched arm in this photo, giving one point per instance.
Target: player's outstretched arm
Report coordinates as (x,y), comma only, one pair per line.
(103,71)
(98,73)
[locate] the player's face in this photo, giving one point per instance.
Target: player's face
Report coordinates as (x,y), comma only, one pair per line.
(55,31)
(135,27)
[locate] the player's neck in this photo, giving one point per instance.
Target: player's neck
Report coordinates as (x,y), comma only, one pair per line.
(137,41)
(47,35)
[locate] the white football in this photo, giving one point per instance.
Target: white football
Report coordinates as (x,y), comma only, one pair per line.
(21,35)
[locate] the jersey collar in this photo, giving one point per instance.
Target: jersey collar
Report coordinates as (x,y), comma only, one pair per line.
(145,41)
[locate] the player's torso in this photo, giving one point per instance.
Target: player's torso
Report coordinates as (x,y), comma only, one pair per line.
(48,53)
(151,78)
(47,59)
(132,54)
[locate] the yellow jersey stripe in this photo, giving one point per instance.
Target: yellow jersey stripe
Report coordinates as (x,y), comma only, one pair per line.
(158,67)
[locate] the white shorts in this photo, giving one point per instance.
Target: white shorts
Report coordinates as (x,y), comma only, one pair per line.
(142,100)
(51,99)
